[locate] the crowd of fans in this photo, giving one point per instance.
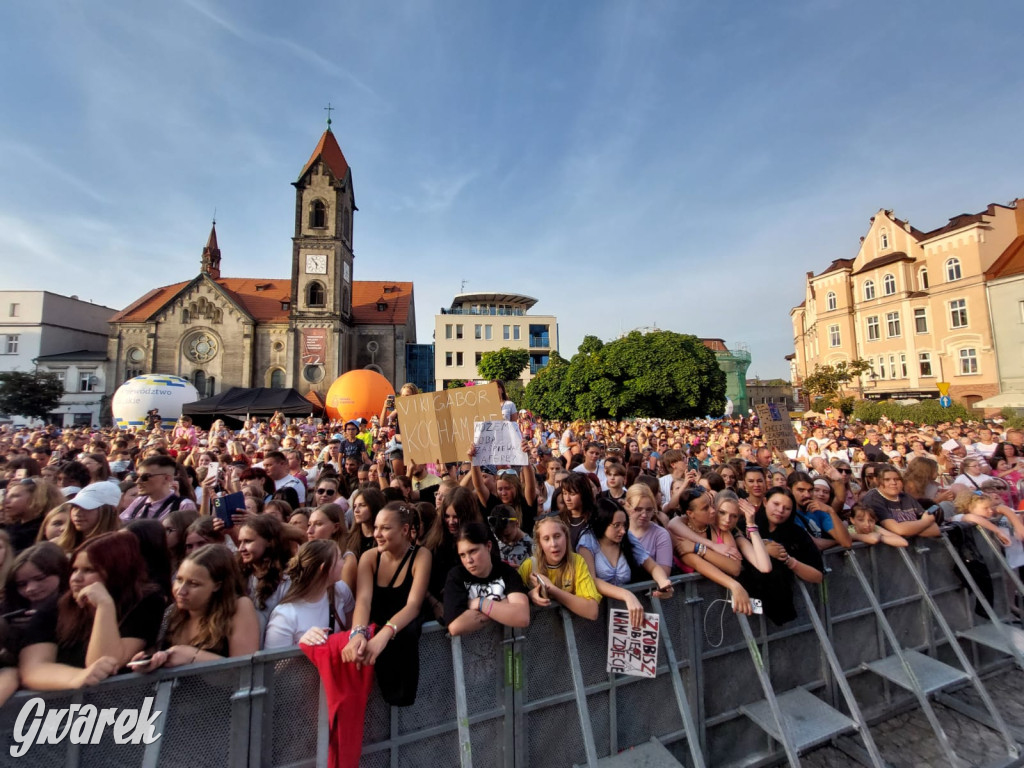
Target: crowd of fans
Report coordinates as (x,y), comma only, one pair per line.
(159,548)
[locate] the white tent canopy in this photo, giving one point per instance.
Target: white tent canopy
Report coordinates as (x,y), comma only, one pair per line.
(1002,400)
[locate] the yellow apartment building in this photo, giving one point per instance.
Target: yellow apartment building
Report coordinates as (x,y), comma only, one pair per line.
(476,323)
(912,303)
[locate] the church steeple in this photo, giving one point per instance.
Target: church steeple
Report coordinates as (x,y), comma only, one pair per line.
(210,262)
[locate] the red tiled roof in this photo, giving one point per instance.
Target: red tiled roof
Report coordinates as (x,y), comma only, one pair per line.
(366,294)
(328,150)
(837,264)
(262,298)
(1010,261)
(892,258)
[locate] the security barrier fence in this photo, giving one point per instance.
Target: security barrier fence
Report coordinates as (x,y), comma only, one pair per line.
(540,696)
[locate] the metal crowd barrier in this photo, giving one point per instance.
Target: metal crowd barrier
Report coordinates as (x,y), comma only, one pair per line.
(541,695)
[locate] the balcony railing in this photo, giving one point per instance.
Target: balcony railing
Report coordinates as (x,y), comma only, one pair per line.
(541,342)
(488,312)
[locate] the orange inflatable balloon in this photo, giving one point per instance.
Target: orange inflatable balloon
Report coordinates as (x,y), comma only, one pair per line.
(358,394)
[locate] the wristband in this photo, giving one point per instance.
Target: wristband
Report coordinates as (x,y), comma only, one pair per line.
(394,629)
(490,607)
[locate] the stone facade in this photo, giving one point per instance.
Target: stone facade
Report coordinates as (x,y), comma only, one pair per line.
(301,332)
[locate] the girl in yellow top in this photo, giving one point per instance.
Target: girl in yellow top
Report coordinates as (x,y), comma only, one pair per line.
(556,573)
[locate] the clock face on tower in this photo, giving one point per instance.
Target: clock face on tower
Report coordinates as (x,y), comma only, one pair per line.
(316,264)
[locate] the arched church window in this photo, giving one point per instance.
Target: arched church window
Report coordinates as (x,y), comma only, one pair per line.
(199,381)
(315,295)
(317,215)
(277,378)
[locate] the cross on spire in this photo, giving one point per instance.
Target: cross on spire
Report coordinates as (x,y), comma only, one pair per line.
(328,109)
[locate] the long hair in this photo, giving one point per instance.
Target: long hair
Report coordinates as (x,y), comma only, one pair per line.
(336,515)
(107,522)
(48,559)
(578,483)
(215,623)
(920,472)
(603,517)
(153,544)
(565,572)
(375,500)
(180,520)
(467,510)
(205,528)
(274,558)
(117,558)
(63,509)
(310,570)
(45,496)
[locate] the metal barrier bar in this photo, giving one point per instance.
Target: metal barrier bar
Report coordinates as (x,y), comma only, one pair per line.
(461,707)
(922,698)
(161,704)
(997,718)
(769,693)
(1011,573)
(580,689)
(692,738)
(990,610)
(840,678)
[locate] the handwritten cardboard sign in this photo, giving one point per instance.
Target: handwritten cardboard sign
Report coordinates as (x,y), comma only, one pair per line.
(498,443)
(440,425)
(776,427)
(633,651)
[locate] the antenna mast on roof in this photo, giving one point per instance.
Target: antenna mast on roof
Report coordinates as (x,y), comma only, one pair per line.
(463,288)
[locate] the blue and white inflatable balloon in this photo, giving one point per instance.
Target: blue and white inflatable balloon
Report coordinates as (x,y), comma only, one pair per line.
(137,397)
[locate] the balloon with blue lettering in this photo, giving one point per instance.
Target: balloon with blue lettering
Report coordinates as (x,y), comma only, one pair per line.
(134,399)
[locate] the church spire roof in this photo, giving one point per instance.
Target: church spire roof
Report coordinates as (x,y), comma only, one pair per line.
(329,152)
(210,261)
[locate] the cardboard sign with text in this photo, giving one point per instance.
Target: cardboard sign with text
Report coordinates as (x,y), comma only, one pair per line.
(440,425)
(633,651)
(776,428)
(499,443)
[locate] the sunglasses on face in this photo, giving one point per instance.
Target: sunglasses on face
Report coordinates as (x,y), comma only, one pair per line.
(326,491)
(844,471)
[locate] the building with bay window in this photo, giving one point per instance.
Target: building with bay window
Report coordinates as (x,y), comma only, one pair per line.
(913,304)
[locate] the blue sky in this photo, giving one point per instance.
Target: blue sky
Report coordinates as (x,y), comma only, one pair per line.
(629,164)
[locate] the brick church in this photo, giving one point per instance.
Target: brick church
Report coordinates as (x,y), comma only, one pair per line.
(301,332)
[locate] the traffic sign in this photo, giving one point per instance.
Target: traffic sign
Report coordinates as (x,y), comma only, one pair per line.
(945,401)
(943,387)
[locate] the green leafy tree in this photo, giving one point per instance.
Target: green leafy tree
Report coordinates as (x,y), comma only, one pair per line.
(827,381)
(455,383)
(503,364)
(32,394)
(664,374)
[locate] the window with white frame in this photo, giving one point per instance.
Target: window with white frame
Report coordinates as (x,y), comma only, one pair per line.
(892,325)
(506,332)
(830,301)
(448,330)
(869,290)
(478,331)
(60,374)
(874,332)
(958,313)
(924,363)
(953,270)
(922,279)
(11,348)
(458,358)
(86,381)
(515,332)
(487,332)
(833,336)
(448,357)
(458,331)
(903,366)
(968,361)
(15,310)
(881,367)
(892,366)
(889,285)
(921,320)
(883,240)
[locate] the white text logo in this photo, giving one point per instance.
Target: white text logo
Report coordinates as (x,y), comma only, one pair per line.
(83,724)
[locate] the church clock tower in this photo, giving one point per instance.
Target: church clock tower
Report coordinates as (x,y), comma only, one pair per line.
(321,298)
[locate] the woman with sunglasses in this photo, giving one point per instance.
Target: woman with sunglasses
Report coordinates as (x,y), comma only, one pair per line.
(26,503)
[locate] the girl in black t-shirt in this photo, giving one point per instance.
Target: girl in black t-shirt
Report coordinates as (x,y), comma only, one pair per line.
(481,588)
(111,612)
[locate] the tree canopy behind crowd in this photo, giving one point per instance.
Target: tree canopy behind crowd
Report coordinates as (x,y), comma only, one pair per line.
(30,393)
(503,364)
(659,374)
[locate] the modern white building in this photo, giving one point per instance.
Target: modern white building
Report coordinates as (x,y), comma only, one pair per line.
(476,323)
(47,331)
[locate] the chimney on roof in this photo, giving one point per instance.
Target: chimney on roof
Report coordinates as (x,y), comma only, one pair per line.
(210,262)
